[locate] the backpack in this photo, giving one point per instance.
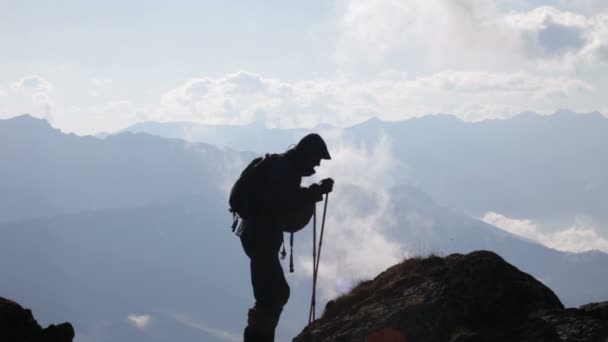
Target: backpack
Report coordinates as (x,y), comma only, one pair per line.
(243,202)
(242,199)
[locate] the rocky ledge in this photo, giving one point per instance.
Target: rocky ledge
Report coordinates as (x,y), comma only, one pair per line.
(18,325)
(477,297)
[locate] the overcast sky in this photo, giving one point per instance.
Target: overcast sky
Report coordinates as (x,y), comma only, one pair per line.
(91,66)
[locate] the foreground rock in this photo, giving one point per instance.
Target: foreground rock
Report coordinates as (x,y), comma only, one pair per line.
(460,298)
(18,325)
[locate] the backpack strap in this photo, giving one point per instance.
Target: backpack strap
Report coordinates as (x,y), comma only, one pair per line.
(291,253)
(283,253)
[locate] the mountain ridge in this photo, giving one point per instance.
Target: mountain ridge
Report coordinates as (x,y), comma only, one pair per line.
(561,113)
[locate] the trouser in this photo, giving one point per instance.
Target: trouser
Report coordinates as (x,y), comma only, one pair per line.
(270,288)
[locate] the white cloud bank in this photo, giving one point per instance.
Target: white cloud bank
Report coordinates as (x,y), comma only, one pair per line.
(139,321)
(33,84)
(356,245)
(100,82)
(580,237)
(445,31)
(244,97)
(97,84)
(476,59)
(560,38)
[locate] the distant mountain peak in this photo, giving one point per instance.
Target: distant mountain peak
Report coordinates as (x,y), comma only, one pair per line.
(371,122)
(27,121)
(324,126)
(558,114)
(596,113)
(439,118)
(527,115)
(374,119)
(564,112)
(26,118)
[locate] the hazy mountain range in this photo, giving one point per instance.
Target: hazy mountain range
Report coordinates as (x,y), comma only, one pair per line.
(548,168)
(45,172)
(95,231)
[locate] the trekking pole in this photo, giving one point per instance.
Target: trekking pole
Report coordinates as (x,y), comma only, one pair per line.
(321,235)
(316,261)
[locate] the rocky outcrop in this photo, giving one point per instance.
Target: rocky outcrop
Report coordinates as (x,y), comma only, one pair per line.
(460,298)
(18,325)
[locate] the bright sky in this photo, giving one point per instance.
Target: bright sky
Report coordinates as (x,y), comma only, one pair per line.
(92,66)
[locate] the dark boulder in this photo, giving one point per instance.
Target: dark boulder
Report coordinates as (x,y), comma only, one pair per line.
(18,324)
(575,325)
(466,298)
(597,310)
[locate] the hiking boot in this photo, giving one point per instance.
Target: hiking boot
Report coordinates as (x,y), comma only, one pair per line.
(251,335)
(260,326)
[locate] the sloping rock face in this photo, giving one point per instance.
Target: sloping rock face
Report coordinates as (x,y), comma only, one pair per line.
(460,298)
(18,325)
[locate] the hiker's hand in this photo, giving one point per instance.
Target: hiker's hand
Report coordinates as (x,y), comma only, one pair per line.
(316,191)
(326,185)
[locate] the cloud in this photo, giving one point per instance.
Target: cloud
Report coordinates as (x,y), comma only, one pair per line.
(32,84)
(121,108)
(37,91)
(579,237)
(100,82)
(106,117)
(233,98)
(218,333)
(357,245)
(97,84)
(583,6)
(380,35)
(560,38)
(139,321)
(244,97)
(466,33)
(483,82)
(437,31)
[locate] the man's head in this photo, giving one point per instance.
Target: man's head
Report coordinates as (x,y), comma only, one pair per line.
(310,150)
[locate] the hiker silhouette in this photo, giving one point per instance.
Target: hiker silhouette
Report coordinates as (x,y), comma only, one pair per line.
(270,200)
